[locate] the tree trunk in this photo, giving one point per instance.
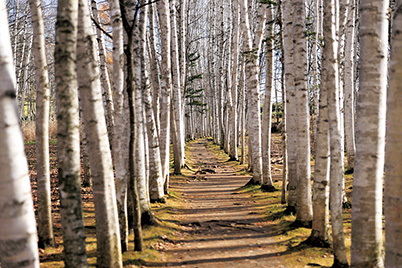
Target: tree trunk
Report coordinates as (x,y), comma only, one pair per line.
(267,183)
(349,86)
(107,89)
(166,85)
(155,70)
(119,148)
(291,105)
(320,228)
(17,219)
(367,239)
(176,91)
(45,226)
(331,76)
(254,120)
(235,70)
(304,205)
(141,83)
(68,136)
(107,224)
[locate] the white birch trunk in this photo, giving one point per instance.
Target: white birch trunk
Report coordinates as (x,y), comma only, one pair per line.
(107,224)
(107,89)
(335,131)
(45,226)
(235,70)
(17,219)
(349,86)
(320,227)
(155,70)
(119,145)
(267,183)
(304,204)
(176,90)
(68,136)
(367,238)
(141,82)
(166,85)
(291,105)
(252,81)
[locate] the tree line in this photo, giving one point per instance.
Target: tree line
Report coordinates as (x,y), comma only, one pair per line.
(140,78)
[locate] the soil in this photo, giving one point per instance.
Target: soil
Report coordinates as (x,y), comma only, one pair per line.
(223,227)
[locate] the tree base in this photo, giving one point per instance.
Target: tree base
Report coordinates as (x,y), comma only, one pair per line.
(232,159)
(268,188)
(45,243)
(252,182)
(159,200)
(147,219)
(317,242)
(290,210)
(338,264)
(305,224)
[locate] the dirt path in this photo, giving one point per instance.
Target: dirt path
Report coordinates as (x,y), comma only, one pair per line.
(226,228)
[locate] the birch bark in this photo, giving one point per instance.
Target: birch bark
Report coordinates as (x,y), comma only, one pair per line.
(267,183)
(304,205)
(45,226)
(349,86)
(119,148)
(107,89)
(17,219)
(367,239)
(166,85)
(68,136)
(107,225)
(291,105)
(335,131)
(251,54)
(141,83)
(235,70)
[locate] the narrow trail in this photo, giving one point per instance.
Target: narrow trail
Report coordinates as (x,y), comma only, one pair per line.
(225,227)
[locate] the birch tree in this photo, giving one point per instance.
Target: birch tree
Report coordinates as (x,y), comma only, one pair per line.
(18,244)
(335,131)
(304,206)
(267,183)
(107,225)
(128,15)
(119,148)
(235,75)
(45,226)
(367,239)
(349,85)
(177,124)
(68,143)
(320,227)
(107,89)
(251,54)
(393,157)
(142,82)
(291,105)
(152,114)
(166,84)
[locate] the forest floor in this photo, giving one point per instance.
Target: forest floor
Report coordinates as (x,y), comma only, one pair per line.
(224,226)
(210,218)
